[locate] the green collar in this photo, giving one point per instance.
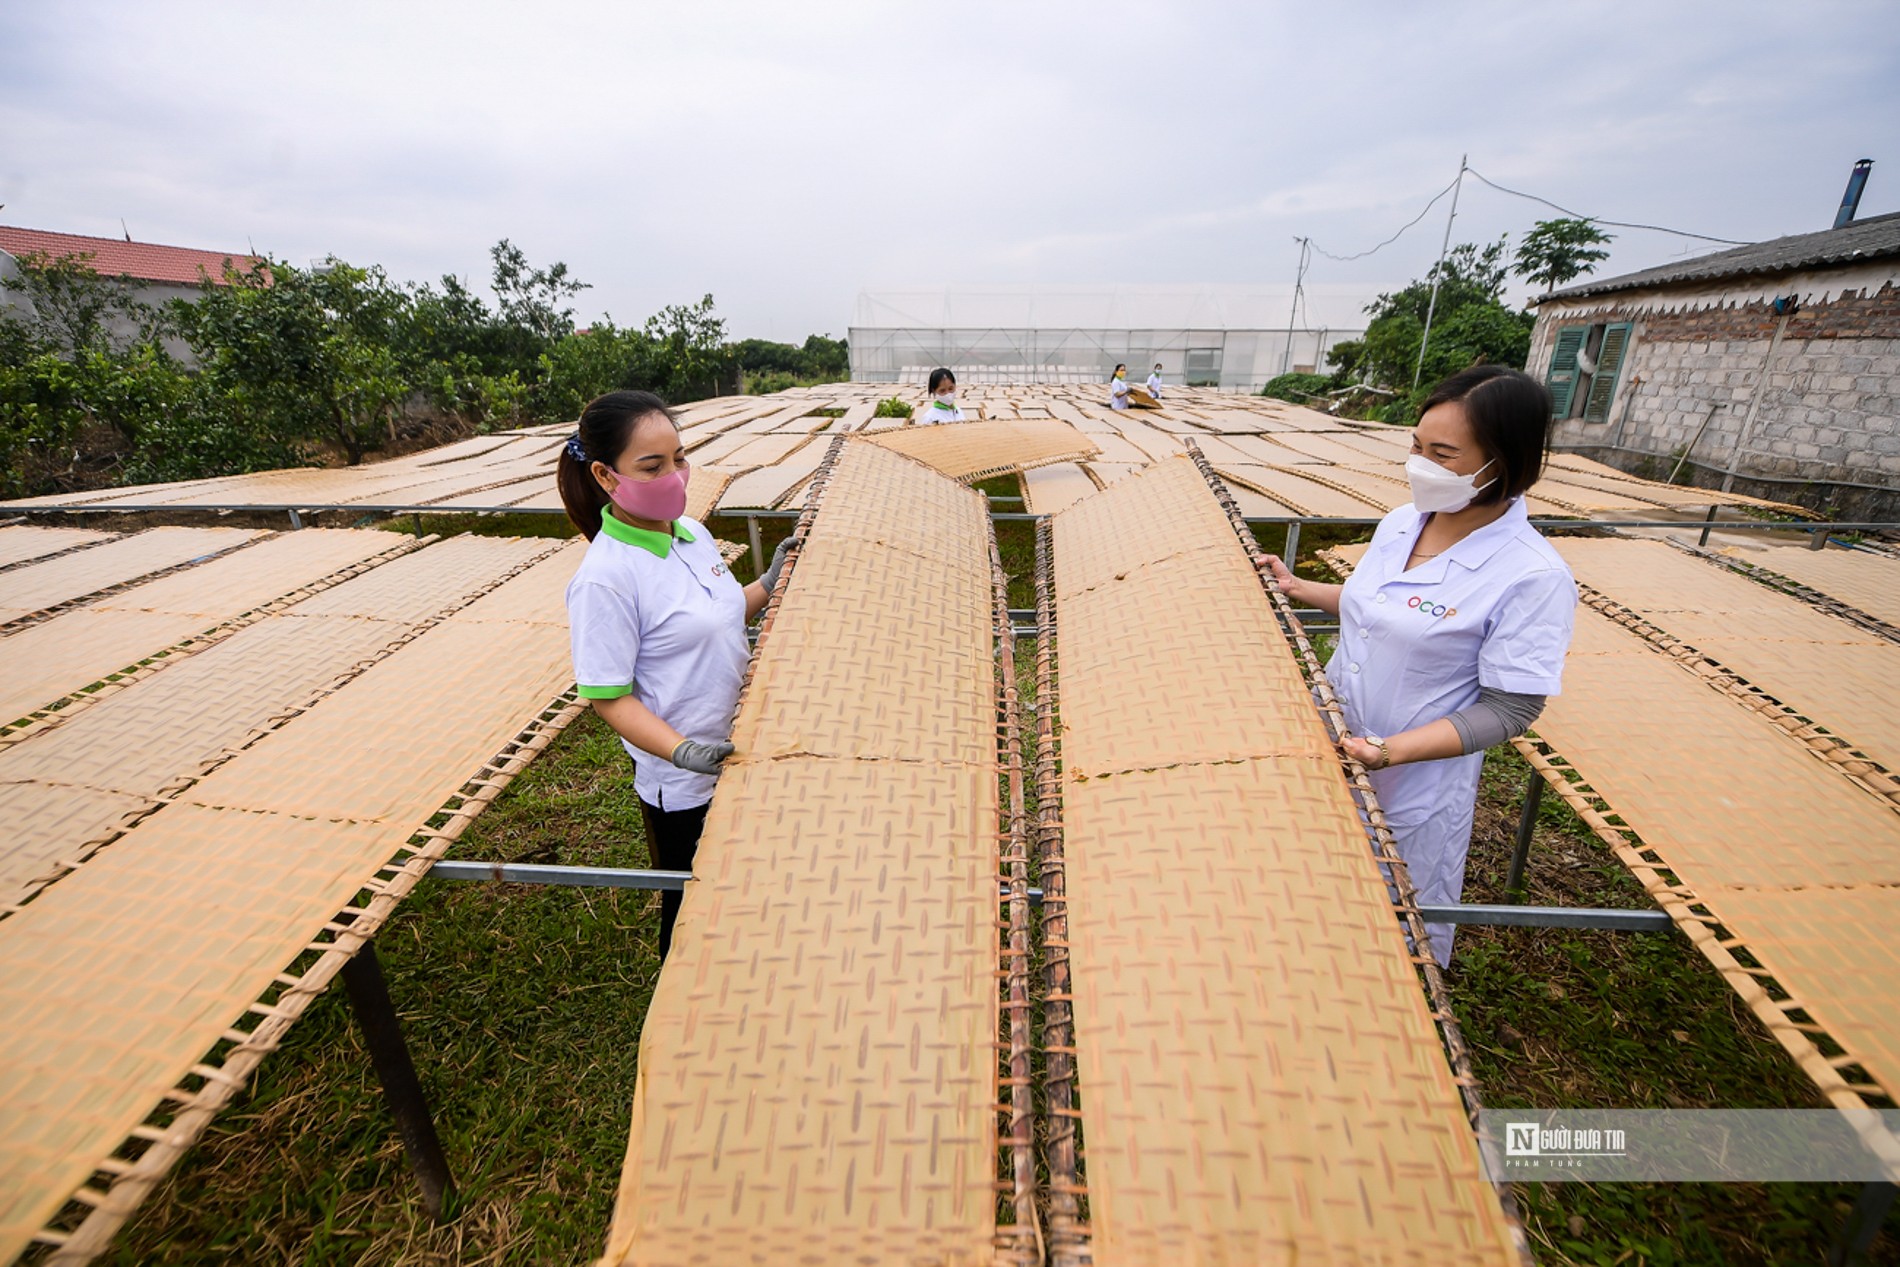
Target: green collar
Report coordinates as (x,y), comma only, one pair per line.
(938,404)
(658,544)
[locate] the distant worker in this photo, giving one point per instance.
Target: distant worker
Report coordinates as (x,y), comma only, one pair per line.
(1154,382)
(1454,627)
(1118,388)
(943,399)
(656,619)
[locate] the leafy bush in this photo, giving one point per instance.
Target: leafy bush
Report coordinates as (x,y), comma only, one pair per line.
(1298,388)
(892,407)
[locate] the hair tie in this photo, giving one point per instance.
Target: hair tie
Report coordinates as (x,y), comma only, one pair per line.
(575,449)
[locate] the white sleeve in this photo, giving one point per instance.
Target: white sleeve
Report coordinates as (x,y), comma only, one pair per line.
(1524,648)
(604,630)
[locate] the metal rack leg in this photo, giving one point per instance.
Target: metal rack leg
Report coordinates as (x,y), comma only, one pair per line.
(402,1090)
(1863,1225)
(1526,827)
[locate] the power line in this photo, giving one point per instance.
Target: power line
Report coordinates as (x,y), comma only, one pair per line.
(1619,224)
(1396,236)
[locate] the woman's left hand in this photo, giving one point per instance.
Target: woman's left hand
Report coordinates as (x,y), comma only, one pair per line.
(1366,754)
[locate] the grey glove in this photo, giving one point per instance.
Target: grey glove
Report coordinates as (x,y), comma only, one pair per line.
(701,758)
(769,578)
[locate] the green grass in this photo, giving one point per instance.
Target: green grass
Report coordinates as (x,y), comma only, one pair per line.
(523,1008)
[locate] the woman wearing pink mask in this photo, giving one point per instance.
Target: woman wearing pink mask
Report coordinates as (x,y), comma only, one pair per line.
(1454,627)
(656,618)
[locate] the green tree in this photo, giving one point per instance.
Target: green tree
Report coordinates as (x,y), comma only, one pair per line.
(532,298)
(691,358)
(69,307)
(316,352)
(1558,250)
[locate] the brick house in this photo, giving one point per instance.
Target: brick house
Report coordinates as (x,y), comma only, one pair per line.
(1774,369)
(151,274)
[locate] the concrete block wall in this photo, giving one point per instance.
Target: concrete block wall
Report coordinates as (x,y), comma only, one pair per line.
(1822,411)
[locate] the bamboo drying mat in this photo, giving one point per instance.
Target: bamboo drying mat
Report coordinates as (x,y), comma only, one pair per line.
(818,1066)
(970,450)
(79,647)
(38,586)
(120,977)
(1840,676)
(18,543)
(1047,489)
(1261,1079)
(1745,818)
(1870,582)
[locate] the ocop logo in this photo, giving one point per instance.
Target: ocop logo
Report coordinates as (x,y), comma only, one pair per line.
(1427,607)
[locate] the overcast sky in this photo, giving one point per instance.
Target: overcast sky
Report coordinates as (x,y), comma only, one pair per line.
(785,157)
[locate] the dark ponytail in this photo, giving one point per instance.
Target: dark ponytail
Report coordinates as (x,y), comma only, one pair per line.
(606,428)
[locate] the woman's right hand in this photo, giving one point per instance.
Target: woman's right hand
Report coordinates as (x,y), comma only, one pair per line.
(1282,575)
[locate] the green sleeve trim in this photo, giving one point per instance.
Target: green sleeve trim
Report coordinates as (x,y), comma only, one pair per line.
(603,692)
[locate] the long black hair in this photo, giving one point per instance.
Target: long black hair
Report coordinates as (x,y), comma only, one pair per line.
(1509,412)
(606,429)
(937,377)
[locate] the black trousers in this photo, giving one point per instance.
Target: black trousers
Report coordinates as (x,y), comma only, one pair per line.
(672,840)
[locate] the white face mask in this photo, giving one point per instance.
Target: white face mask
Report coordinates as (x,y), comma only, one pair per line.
(1438,491)
(947,400)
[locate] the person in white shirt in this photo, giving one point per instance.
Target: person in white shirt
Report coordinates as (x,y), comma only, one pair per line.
(1454,627)
(943,400)
(1118,388)
(656,618)
(1154,382)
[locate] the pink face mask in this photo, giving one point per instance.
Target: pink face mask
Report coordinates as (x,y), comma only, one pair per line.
(662,499)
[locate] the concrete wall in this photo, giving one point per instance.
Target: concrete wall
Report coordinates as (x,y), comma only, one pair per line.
(120,327)
(1803,407)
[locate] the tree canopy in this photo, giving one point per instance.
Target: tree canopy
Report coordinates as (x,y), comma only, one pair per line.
(334,362)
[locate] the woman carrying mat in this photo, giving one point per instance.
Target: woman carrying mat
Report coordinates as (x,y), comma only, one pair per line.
(1118,388)
(1454,626)
(656,618)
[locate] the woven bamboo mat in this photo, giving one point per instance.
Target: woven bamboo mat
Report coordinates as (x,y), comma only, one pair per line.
(818,1066)
(20,543)
(120,977)
(1047,489)
(38,586)
(1261,1080)
(1870,582)
(966,450)
(1841,677)
(83,645)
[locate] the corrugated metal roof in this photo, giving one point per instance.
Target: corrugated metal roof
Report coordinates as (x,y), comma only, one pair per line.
(113,257)
(1869,239)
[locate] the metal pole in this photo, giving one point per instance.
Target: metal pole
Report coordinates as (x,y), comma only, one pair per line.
(1526,827)
(1299,274)
(1437,273)
(758,551)
(1863,1224)
(296,520)
(1292,544)
(402,1090)
(1707,520)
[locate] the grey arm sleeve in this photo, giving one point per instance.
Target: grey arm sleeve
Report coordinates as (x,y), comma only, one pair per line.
(1497,716)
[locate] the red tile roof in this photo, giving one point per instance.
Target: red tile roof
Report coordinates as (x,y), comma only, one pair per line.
(115,257)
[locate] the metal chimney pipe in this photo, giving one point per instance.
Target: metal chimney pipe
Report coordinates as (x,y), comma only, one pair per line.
(1850,201)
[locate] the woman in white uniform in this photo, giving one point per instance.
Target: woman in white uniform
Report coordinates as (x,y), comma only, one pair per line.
(1454,626)
(943,399)
(1154,382)
(1118,388)
(656,619)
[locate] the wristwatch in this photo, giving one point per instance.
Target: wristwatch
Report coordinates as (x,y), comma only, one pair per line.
(1385,753)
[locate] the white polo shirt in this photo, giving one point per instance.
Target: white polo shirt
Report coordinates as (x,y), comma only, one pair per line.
(1118,393)
(1154,386)
(934,412)
(662,618)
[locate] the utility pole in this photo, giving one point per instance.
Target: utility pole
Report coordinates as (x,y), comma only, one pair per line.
(1299,276)
(1438,273)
